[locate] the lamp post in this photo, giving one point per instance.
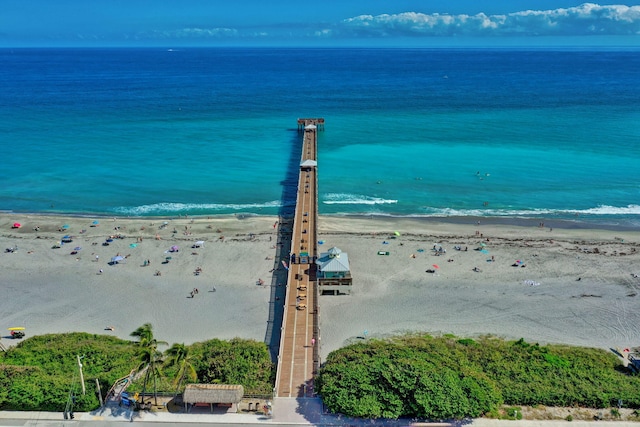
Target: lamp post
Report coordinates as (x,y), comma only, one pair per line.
(84,391)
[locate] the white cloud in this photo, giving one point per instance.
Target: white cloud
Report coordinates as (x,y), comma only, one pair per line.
(189,33)
(586,19)
(325,32)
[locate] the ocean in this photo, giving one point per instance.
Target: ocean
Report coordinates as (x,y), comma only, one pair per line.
(496,133)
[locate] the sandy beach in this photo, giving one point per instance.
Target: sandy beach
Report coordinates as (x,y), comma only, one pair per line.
(560,285)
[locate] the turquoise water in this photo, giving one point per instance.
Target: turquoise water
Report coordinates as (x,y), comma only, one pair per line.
(541,134)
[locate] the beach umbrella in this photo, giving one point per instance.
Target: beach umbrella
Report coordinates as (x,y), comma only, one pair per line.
(65,226)
(17,225)
(484,251)
(168,258)
(436,266)
(117,258)
(483,244)
(133,245)
(174,248)
(95,222)
(397,233)
(77,248)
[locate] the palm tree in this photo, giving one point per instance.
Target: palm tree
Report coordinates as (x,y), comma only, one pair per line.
(178,355)
(148,355)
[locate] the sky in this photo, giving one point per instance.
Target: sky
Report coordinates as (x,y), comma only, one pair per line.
(326,23)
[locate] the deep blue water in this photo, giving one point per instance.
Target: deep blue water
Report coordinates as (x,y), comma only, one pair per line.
(534,133)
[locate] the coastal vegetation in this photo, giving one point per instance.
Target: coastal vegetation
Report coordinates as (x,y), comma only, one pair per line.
(447,377)
(41,373)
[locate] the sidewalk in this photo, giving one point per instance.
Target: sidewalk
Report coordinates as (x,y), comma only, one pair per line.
(288,411)
(125,417)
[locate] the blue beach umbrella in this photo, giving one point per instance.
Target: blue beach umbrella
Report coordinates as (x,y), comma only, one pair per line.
(65,226)
(96,222)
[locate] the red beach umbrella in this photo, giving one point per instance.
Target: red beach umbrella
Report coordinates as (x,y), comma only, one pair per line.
(435,266)
(17,225)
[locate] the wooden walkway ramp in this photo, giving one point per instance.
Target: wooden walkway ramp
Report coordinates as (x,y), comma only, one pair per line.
(298,355)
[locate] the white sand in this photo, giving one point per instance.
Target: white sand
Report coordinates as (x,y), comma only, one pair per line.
(50,290)
(393,294)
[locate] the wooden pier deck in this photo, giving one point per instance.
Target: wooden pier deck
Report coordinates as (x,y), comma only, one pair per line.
(298,356)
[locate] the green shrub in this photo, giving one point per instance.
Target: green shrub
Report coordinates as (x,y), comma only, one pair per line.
(41,373)
(43,370)
(446,377)
(514,413)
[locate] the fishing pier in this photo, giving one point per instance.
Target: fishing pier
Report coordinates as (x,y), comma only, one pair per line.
(298,357)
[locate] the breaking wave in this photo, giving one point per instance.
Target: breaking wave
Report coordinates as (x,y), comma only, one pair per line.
(602,210)
(354,199)
(169,208)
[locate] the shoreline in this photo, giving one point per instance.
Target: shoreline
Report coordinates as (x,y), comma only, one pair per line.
(516,221)
(577,288)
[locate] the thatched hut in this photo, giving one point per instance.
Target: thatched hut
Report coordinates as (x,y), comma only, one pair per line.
(213,394)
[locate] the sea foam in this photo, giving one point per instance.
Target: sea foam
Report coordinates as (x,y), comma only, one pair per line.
(354,199)
(168,207)
(595,211)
